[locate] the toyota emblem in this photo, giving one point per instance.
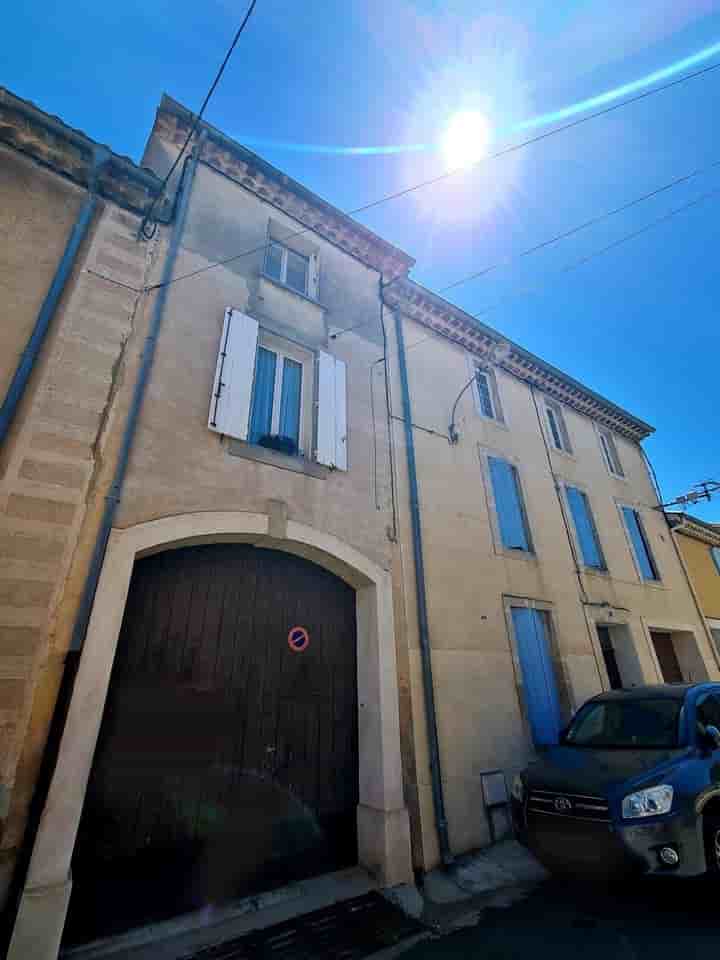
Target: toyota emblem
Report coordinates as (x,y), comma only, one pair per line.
(562,804)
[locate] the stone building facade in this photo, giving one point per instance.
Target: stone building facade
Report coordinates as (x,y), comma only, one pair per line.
(271,440)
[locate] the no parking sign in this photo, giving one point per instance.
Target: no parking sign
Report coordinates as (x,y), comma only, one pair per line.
(298,639)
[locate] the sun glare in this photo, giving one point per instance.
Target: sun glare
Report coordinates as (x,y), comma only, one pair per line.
(466,138)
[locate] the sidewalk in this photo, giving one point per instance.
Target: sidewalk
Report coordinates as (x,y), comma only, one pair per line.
(454,897)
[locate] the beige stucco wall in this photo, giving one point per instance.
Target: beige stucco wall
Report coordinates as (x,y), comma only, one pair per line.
(62,458)
(478,705)
(703,572)
(179,465)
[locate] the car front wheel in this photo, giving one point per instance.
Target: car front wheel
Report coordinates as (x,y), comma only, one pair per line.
(712,844)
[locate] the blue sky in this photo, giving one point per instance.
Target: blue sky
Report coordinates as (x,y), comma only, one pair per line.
(638,324)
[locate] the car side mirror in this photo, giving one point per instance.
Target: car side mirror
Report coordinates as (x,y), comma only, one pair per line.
(713,735)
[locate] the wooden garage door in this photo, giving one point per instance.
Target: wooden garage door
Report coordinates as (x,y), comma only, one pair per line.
(227,761)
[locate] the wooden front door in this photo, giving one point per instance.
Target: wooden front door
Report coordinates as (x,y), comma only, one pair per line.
(227,758)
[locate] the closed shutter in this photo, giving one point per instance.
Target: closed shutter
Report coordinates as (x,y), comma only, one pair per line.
(585,528)
(331,446)
(232,387)
(314,277)
(509,506)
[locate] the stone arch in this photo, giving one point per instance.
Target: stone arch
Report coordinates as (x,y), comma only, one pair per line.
(383,828)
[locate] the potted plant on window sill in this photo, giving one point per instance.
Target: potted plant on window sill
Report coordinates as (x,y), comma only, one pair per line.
(277,442)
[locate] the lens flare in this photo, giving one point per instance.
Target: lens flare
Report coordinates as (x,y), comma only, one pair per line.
(542,120)
(466,139)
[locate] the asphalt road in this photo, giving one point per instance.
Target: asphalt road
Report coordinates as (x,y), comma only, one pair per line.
(647,919)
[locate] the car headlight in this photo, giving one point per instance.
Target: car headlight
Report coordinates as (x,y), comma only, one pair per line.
(648,803)
(518,788)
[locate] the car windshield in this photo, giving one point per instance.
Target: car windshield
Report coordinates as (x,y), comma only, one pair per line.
(632,724)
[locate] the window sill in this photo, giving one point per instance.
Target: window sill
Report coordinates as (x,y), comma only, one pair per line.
(528,556)
(596,572)
(299,464)
(295,293)
(500,424)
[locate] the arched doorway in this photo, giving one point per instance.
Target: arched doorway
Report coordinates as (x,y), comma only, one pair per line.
(227,759)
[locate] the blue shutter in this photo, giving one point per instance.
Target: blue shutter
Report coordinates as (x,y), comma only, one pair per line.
(715,551)
(289,425)
(263,391)
(637,537)
(506,490)
(539,684)
(585,529)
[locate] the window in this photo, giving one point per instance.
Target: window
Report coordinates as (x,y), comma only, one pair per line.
(715,554)
(585,529)
(627,724)
(559,437)
(512,521)
(638,539)
(610,454)
(288,267)
(708,712)
(263,393)
(487,400)
(275,415)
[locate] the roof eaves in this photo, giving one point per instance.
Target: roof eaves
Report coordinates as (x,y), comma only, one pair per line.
(170,105)
(412,285)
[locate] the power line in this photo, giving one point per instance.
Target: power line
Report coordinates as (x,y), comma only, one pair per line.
(508,261)
(449,173)
(581,261)
(556,238)
(196,121)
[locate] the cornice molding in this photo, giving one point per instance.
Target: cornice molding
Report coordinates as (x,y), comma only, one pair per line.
(691,527)
(451,322)
(256,175)
(68,152)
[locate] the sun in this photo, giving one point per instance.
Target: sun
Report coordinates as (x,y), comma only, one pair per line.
(466,138)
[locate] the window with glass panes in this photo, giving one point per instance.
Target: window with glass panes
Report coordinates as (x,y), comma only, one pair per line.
(287,266)
(641,548)
(277,400)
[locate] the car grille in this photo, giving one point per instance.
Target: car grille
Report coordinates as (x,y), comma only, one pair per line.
(571,806)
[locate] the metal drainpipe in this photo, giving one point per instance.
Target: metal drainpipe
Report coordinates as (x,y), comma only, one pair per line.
(421,597)
(101,156)
(88,596)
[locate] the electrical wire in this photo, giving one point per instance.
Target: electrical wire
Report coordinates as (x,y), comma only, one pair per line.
(593,221)
(449,173)
(581,261)
(556,238)
(195,123)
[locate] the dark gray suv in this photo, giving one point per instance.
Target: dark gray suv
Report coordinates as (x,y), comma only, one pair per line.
(634,784)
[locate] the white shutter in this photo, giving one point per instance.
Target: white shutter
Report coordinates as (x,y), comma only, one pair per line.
(232,387)
(332,412)
(314,276)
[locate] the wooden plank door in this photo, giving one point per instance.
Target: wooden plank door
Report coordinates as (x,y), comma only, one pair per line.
(227,761)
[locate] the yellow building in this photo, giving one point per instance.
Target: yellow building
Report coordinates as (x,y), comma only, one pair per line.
(699,544)
(296,554)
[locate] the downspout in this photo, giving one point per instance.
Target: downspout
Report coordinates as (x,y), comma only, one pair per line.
(421,599)
(29,356)
(111,501)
